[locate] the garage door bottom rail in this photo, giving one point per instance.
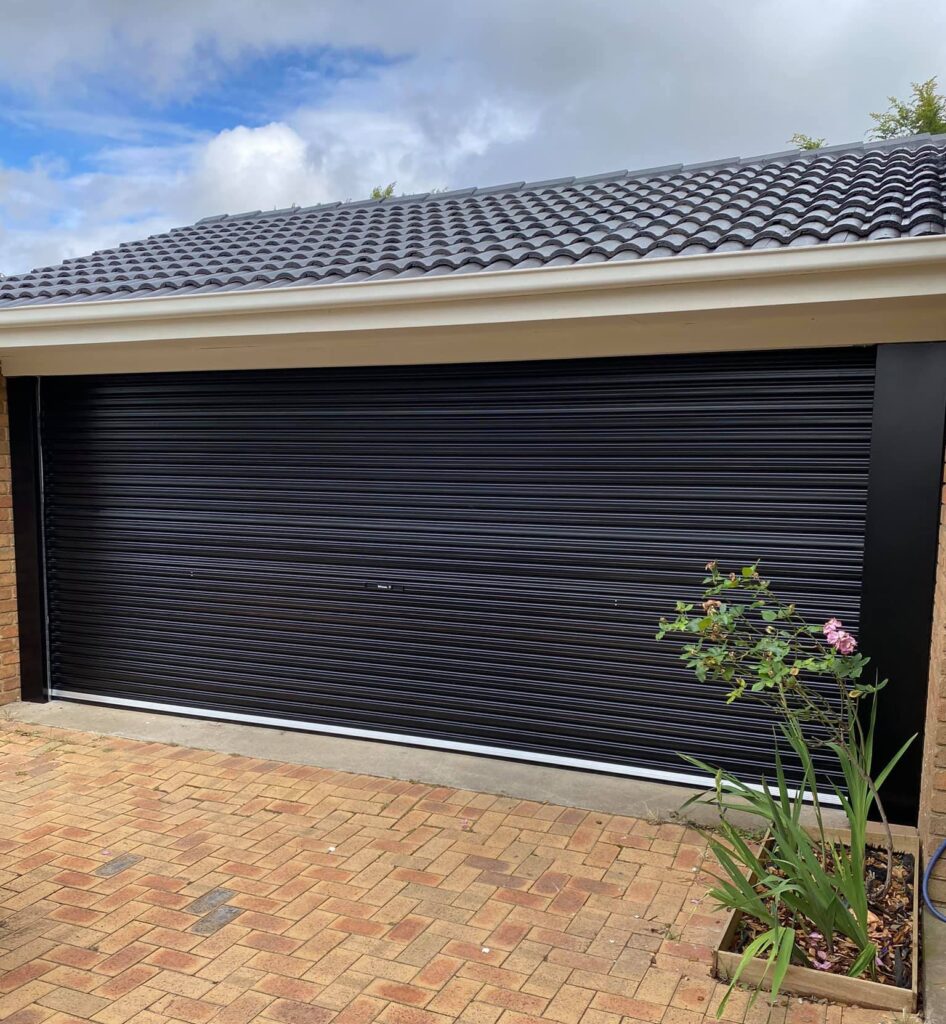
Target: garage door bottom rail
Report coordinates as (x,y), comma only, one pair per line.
(681,778)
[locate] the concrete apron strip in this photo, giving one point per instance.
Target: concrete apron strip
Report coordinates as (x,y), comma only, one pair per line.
(636,798)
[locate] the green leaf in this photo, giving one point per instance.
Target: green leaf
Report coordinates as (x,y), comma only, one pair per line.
(748,955)
(786,943)
(865,959)
(892,763)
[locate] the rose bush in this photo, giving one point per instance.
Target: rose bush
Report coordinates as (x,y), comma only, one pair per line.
(758,646)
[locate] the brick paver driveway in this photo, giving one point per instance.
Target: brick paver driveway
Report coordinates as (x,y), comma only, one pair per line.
(148,883)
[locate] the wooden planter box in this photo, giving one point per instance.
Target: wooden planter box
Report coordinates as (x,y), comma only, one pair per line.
(805,981)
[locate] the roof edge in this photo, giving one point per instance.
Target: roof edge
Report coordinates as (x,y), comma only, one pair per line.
(916,265)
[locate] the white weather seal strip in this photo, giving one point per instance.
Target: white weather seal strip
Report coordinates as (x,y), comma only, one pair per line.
(657,775)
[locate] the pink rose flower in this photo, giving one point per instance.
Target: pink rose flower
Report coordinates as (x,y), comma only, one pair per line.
(840,639)
(845,643)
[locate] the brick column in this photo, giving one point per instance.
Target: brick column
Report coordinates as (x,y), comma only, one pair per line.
(9,648)
(933,786)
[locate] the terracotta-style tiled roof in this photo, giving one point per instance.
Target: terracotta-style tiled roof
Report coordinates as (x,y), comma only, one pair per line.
(851,193)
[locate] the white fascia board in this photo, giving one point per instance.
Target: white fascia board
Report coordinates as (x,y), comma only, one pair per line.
(849,272)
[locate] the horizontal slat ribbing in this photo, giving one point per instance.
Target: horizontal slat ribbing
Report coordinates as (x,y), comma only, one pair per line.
(218,540)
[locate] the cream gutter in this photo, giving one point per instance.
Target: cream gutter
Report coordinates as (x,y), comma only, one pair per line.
(889,277)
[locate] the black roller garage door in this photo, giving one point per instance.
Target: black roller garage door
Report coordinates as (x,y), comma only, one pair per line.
(469,556)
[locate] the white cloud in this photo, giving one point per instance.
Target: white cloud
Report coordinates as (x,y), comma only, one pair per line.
(245,167)
(480,93)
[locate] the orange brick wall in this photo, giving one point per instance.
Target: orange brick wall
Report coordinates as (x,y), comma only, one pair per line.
(9,649)
(933,791)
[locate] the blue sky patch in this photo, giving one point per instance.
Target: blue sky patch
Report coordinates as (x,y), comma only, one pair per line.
(251,92)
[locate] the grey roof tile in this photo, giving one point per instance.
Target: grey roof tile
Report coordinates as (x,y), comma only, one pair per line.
(894,189)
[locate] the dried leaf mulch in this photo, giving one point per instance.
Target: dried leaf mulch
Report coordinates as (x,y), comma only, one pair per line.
(890,923)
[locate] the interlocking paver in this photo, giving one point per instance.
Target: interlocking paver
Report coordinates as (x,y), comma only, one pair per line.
(144,884)
(215,920)
(117,865)
(210,901)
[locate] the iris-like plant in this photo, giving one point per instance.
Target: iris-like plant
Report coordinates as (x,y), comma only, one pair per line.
(758,646)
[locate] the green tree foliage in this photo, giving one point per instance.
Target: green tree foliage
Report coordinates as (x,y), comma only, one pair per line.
(924,112)
(386,191)
(803,141)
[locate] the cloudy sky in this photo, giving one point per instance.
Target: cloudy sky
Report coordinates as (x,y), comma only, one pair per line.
(121,118)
